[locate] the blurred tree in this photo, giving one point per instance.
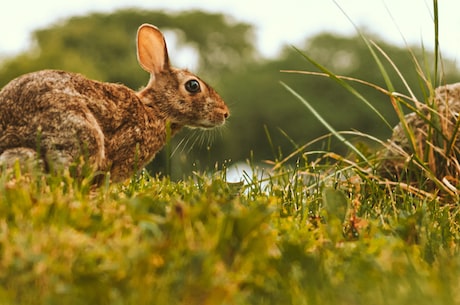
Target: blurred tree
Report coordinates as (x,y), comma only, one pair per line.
(102,46)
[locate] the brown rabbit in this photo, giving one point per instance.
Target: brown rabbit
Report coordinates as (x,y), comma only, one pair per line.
(398,154)
(64,115)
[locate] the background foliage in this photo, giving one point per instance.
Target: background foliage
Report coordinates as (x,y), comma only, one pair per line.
(102,47)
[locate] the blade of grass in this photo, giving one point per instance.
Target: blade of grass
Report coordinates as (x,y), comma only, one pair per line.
(408,132)
(395,68)
(436,40)
(344,85)
(382,69)
(395,101)
(291,140)
(302,148)
(324,122)
(453,139)
(403,99)
(433,123)
(270,142)
(424,77)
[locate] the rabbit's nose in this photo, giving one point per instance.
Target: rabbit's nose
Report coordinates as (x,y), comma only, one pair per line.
(226,112)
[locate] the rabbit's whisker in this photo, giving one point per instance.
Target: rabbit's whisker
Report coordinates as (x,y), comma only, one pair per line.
(181,143)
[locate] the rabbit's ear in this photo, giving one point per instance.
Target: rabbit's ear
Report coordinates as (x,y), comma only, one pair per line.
(151,49)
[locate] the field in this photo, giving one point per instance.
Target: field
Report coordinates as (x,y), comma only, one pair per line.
(313,227)
(308,234)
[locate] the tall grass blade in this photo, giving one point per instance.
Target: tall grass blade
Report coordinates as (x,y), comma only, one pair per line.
(436,40)
(395,68)
(344,85)
(324,122)
(382,69)
(270,142)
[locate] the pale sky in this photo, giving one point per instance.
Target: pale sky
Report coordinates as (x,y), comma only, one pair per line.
(277,22)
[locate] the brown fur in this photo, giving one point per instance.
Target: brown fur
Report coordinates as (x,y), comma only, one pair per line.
(397,155)
(64,115)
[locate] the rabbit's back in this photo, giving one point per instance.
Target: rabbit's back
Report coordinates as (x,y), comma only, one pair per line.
(69,115)
(33,96)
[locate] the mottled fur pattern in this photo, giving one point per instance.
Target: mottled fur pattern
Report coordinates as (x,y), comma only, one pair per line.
(63,115)
(447,105)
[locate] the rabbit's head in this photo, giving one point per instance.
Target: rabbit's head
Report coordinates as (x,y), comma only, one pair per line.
(177,95)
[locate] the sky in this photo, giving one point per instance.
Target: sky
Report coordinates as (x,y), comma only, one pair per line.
(278,23)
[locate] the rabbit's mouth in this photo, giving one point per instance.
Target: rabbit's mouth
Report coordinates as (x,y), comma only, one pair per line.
(212,122)
(216,118)
(206,125)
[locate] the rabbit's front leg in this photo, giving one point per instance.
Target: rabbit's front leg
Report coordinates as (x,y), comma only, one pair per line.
(70,136)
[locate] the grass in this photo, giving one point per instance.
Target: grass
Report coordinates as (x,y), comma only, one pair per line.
(329,229)
(424,149)
(314,233)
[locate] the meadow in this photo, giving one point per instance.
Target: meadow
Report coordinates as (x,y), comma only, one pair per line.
(310,227)
(310,234)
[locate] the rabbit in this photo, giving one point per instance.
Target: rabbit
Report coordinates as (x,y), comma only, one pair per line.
(398,153)
(59,116)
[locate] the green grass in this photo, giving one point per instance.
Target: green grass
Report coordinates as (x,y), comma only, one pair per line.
(314,234)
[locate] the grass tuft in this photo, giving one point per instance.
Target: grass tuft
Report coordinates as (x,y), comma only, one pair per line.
(424,148)
(318,231)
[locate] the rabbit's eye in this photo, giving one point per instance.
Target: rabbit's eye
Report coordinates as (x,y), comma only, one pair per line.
(192,86)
